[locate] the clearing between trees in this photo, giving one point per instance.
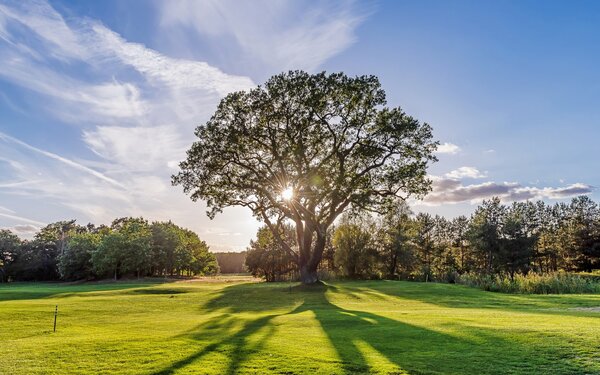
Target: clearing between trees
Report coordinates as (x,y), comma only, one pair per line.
(240,326)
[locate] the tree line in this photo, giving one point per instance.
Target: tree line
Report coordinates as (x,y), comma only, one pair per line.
(497,239)
(129,247)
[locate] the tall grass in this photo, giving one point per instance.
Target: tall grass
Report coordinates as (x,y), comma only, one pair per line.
(532,283)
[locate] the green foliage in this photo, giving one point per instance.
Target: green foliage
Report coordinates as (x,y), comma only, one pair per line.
(532,283)
(38,259)
(9,247)
(166,240)
(267,258)
(328,138)
(75,263)
(484,233)
(129,247)
(355,251)
(201,261)
(107,258)
(521,238)
(396,236)
(232,327)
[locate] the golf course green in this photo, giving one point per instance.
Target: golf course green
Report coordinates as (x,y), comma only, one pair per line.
(237,325)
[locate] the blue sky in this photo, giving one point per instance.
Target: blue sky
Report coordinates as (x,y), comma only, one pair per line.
(99,99)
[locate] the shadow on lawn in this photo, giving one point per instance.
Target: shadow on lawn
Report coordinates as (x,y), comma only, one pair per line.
(459,296)
(35,290)
(408,347)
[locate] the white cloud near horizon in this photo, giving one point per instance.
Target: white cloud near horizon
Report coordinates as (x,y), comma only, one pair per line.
(448,190)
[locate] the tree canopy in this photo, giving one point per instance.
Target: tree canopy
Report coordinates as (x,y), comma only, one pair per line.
(129,247)
(304,148)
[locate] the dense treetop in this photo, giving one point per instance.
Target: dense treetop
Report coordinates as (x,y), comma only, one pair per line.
(305,148)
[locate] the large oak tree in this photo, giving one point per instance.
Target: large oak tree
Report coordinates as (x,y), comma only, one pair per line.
(304,148)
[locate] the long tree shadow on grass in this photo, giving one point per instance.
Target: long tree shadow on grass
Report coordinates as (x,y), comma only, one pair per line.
(357,336)
(36,290)
(459,296)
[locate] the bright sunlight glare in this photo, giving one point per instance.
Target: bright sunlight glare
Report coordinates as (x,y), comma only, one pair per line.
(287,194)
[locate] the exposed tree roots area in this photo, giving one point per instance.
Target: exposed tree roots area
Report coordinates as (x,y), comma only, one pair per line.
(237,326)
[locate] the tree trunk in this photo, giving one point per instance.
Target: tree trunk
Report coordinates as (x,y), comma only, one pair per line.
(309,260)
(394,264)
(308,274)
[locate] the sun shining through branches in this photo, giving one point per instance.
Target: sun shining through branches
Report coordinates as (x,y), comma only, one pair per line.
(330,135)
(287,194)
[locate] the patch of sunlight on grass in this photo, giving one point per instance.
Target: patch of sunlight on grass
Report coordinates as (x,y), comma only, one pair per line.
(232,327)
(377,362)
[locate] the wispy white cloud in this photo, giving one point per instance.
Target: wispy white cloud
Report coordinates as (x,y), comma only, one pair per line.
(61,159)
(138,148)
(6,210)
(47,24)
(21,219)
(277,34)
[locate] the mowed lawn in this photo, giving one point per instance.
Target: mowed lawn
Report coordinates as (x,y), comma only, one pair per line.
(226,327)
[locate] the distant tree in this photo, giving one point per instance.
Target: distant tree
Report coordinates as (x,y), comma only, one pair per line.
(460,244)
(165,240)
(129,247)
(202,261)
(426,245)
(107,259)
(305,148)
(137,256)
(484,232)
(125,250)
(75,263)
(515,246)
(37,260)
(266,258)
(519,236)
(445,264)
(355,250)
(9,247)
(548,246)
(48,244)
(583,230)
(397,231)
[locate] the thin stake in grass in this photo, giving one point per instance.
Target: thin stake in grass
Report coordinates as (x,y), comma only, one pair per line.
(55,314)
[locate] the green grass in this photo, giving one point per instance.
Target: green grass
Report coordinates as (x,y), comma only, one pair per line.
(344,327)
